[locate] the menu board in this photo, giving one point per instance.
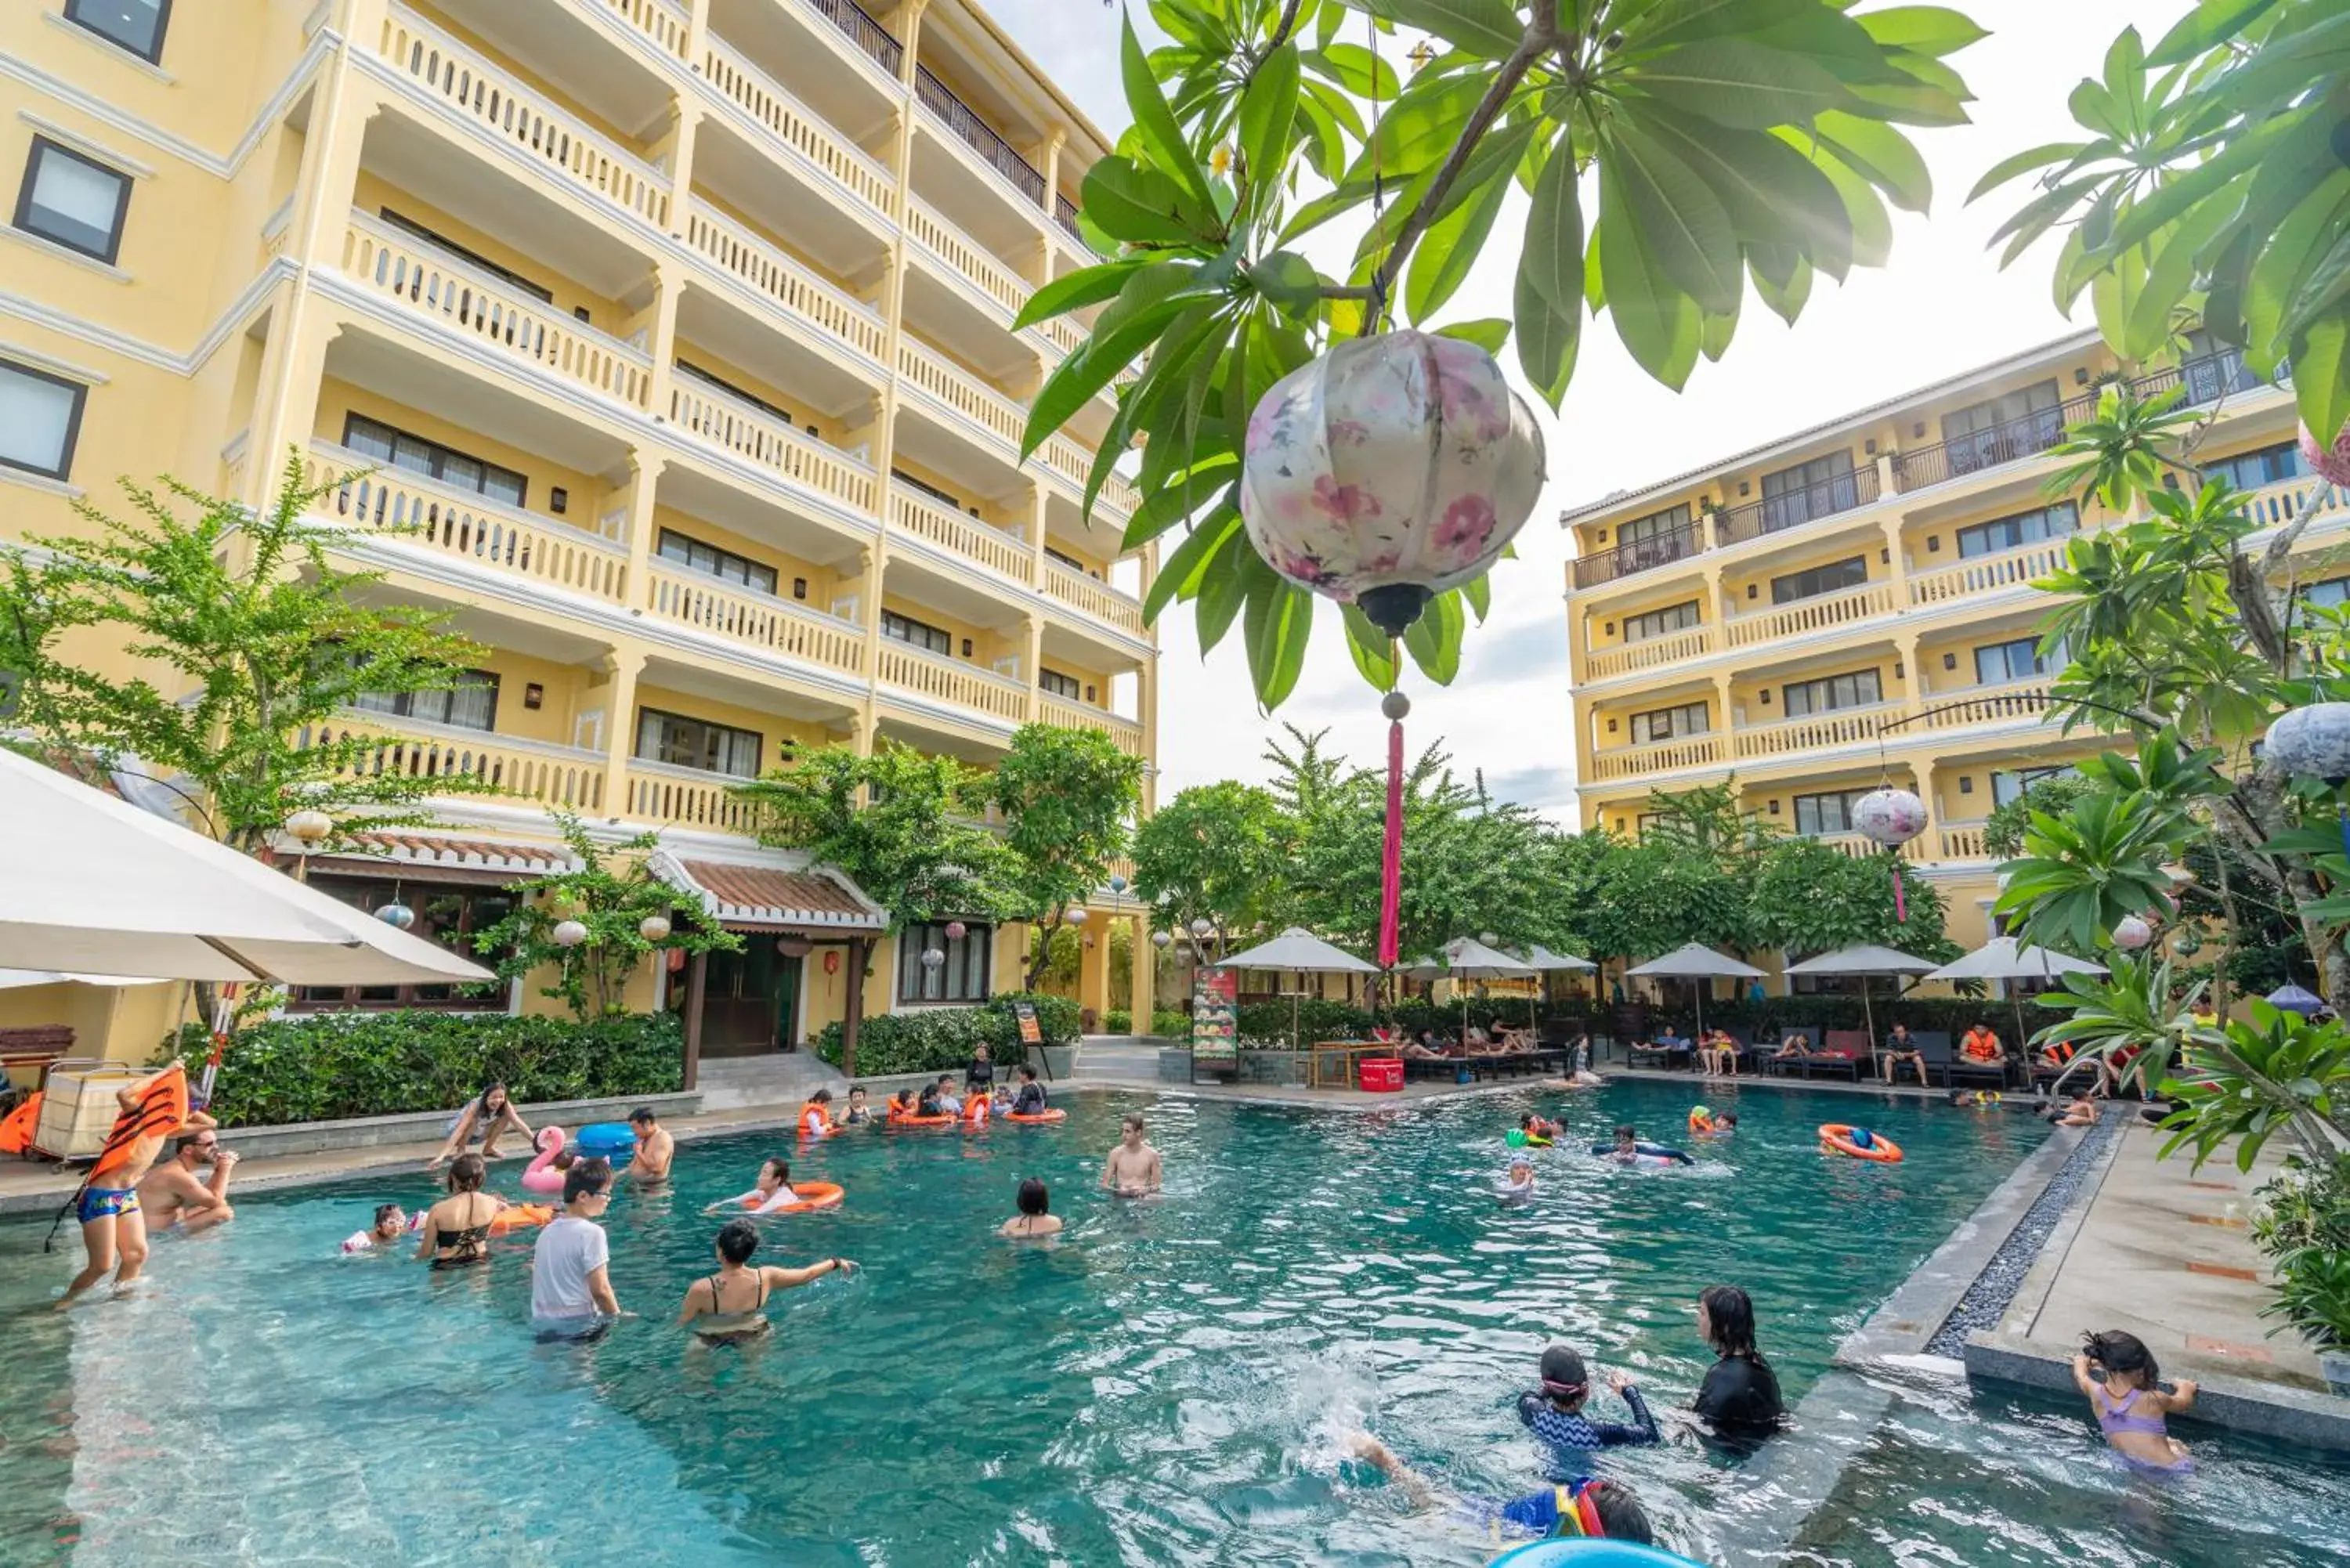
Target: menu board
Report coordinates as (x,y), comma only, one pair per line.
(1215,1016)
(1024,1012)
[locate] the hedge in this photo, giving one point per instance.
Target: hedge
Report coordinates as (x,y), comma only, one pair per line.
(331,1066)
(1267,1023)
(940,1039)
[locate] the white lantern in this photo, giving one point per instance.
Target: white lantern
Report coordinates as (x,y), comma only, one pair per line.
(2312,742)
(654,927)
(957,930)
(1888,817)
(308,827)
(1076,916)
(1490,939)
(397,915)
(1117,884)
(933,957)
(1162,941)
(2328,462)
(1388,470)
(1201,927)
(567,934)
(2131,933)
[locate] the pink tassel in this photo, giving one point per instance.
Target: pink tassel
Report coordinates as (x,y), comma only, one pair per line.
(1900,908)
(1391,854)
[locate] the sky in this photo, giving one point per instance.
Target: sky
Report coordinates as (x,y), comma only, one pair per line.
(1940,307)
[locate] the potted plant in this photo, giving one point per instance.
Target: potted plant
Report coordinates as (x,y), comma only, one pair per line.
(2314,1296)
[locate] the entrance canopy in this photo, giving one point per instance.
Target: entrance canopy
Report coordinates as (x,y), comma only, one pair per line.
(779,892)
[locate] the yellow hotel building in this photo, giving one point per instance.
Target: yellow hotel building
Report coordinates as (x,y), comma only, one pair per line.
(1854,603)
(679,336)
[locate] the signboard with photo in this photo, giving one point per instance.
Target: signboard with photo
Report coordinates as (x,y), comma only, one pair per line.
(1215,1016)
(1024,1012)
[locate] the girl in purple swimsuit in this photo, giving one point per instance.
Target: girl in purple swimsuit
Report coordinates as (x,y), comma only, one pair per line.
(2130,1405)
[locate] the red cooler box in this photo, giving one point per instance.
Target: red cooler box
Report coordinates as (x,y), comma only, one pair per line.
(1379,1075)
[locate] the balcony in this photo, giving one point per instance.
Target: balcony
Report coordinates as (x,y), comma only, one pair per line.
(833,314)
(1855,847)
(1003,553)
(1658,757)
(2011,703)
(425,282)
(1126,733)
(863,31)
(759,438)
(1696,642)
(1961,841)
(565,777)
(1639,555)
(757,622)
(798,133)
(964,123)
(1794,508)
(527,125)
(1987,574)
(1097,599)
(462,528)
(1817,731)
(687,797)
(1064,213)
(1803,617)
(663,24)
(969,261)
(942,679)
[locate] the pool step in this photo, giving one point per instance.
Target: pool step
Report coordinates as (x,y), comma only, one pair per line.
(782,1078)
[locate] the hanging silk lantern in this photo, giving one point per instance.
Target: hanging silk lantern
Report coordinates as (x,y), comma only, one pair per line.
(2131,933)
(1160,940)
(2314,742)
(1891,818)
(569,934)
(398,917)
(2331,464)
(957,930)
(1076,915)
(654,927)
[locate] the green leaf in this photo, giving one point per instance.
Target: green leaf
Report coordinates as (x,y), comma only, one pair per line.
(1075,291)
(1488,29)
(1547,338)
(1179,573)
(1551,261)
(1278,619)
(1882,154)
(1419,130)
(1657,321)
(2114,294)
(1154,122)
(2321,373)
(1929,29)
(1172,503)
(1743,85)
(2169,279)
(2209,24)
(1488,333)
(1683,224)
(1223,586)
(1670,23)
(1289,281)
(1775,194)
(1872,230)
(1372,652)
(1268,109)
(1137,206)
(2164,204)
(1785,299)
(1357,69)
(1477,593)
(2023,163)
(1434,639)
(1451,247)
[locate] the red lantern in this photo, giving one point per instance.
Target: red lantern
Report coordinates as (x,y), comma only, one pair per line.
(832,963)
(676,960)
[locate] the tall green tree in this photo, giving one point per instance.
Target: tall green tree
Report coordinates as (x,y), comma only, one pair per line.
(1675,153)
(1067,796)
(246,615)
(1220,853)
(1653,896)
(1810,897)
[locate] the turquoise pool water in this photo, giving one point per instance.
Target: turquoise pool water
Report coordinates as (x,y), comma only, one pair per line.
(1167,1384)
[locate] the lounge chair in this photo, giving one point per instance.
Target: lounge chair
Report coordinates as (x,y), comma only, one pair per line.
(1960,1066)
(1934,1053)
(1843,1052)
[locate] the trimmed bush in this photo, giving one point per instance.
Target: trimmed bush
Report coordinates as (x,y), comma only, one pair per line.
(940,1039)
(331,1066)
(1117,1020)
(1168,1024)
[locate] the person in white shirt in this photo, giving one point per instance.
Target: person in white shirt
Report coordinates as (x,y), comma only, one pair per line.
(570,1290)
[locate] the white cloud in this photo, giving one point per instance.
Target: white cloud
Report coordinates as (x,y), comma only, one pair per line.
(1940,307)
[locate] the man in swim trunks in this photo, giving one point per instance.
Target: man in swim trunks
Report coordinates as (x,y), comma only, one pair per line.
(173,1195)
(655,1148)
(112,1227)
(1030,1101)
(1132,1169)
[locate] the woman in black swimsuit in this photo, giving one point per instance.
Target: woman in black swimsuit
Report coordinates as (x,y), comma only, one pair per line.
(730,1307)
(457,1228)
(1740,1395)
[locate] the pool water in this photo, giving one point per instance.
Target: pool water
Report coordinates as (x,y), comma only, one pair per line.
(1169,1383)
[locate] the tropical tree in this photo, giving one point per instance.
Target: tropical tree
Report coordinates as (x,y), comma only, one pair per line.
(251,646)
(1067,796)
(1655,895)
(1808,897)
(1706,819)
(1673,150)
(898,823)
(611,891)
(2052,796)
(1218,853)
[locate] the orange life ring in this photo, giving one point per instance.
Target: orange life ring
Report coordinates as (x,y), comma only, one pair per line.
(940,1120)
(1700,1120)
(1044,1116)
(1837,1136)
(519,1217)
(812,1194)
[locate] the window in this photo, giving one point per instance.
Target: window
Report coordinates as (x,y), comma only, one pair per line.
(2331,594)
(2018,660)
(2023,528)
(369,438)
(1829,812)
(1812,583)
(471,704)
(1661,622)
(2251,470)
(136,25)
(685,742)
(473,259)
(921,634)
(712,378)
(1825,696)
(2007,787)
(2013,425)
(932,491)
(713,562)
(40,419)
(2210,367)
(77,202)
(1070,561)
(1655,525)
(1820,488)
(1668,723)
(961,976)
(447,915)
(1057,684)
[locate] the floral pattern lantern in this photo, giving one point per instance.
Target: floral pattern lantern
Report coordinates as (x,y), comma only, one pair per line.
(2131,933)
(1891,818)
(2328,462)
(2314,742)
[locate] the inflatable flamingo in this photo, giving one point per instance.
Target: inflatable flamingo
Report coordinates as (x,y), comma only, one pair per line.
(541,1176)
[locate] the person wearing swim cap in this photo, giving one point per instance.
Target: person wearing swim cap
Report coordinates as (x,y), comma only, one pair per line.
(1555,1412)
(1518,1186)
(1578,1506)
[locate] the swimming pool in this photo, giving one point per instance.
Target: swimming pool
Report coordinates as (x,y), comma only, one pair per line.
(1165,1385)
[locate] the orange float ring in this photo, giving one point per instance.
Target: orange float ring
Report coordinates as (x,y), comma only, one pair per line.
(1837,1136)
(937,1121)
(1037,1119)
(519,1217)
(812,1194)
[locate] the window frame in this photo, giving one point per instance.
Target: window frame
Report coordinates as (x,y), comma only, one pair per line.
(2288,450)
(1672,713)
(2025,778)
(1664,523)
(722,555)
(162,30)
(403,703)
(709,378)
(1696,619)
(1813,574)
(353,419)
(1844,799)
(43,147)
(80,389)
(1075,687)
(2005,648)
(904,619)
(2045,514)
(1827,683)
(474,259)
(978,943)
(709,727)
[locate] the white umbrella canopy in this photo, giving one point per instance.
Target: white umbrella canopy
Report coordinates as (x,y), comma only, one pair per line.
(2004,958)
(1864,960)
(94,886)
(1301,949)
(17,979)
(1465,958)
(1541,957)
(1695,960)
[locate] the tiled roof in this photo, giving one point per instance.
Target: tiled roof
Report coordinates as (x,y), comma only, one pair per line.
(458,854)
(735,893)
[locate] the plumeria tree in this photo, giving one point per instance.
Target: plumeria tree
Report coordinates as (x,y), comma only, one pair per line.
(1218,853)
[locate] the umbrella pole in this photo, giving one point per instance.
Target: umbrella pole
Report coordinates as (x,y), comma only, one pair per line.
(1867,1015)
(1699,985)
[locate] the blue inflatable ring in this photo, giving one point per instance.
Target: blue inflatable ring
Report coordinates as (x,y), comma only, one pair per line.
(615,1141)
(1583,1553)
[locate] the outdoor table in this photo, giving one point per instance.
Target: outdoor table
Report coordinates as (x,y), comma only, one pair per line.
(1347,1052)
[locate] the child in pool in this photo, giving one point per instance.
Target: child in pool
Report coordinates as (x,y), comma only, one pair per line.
(391,1225)
(1579,1507)
(773,1190)
(1555,1413)
(1518,1186)
(2130,1405)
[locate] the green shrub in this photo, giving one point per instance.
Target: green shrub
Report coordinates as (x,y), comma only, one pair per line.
(940,1039)
(1117,1020)
(1168,1024)
(331,1066)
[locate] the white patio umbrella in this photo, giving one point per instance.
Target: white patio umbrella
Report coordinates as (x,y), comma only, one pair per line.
(1464,957)
(94,886)
(1301,950)
(1864,960)
(17,979)
(1538,957)
(1695,960)
(2004,958)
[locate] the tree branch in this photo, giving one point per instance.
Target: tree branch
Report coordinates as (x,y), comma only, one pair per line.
(2303,515)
